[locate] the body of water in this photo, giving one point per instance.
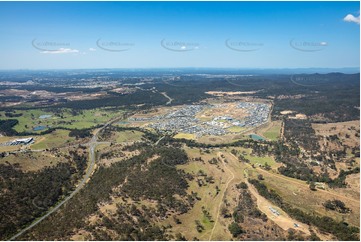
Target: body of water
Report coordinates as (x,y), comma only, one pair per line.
(256,137)
(40,127)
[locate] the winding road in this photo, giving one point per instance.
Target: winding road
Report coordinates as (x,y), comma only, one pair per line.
(168,97)
(92,144)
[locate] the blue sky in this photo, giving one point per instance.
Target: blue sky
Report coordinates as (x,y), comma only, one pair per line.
(57,35)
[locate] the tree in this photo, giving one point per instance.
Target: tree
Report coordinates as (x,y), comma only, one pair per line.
(312,186)
(242,185)
(180,237)
(235,229)
(267,167)
(260,177)
(225,213)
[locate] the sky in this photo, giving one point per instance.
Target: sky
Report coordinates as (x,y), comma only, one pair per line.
(78,35)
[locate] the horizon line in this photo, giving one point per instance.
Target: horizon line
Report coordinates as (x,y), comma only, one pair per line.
(154,68)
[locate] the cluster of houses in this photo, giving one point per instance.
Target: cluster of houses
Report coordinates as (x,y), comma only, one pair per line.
(258,114)
(184,120)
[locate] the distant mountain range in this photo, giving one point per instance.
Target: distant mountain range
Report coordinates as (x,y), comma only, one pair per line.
(191,70)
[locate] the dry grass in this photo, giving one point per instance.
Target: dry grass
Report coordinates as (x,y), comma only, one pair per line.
(346,132)
(298,194)
(32,161)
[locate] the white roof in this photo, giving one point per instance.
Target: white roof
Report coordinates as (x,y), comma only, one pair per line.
(24,139)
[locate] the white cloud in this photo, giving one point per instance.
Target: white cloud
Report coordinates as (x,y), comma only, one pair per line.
(351,18)
(92,49)
(60,51)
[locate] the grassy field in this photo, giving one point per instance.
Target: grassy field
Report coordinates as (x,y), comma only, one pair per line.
(298,194)
(213,139)
(9,148)
(184,136)
(55,139)
(32,161)
(128,136)
(270,131)
(257,159)
(236,129)
(64,118)
(261,160)
(209,198)
(273,133)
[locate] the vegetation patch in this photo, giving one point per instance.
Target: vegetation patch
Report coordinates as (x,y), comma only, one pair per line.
(184,136)
(341,230)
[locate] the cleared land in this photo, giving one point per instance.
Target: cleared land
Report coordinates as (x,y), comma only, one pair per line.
(221,94)
(212,139)
(66,118)
(348,134)
(53,140)
(210,198)
(298,194)
(226,109)
(185,136)
(227,173)
(270,131)
(128,136)
(32,161)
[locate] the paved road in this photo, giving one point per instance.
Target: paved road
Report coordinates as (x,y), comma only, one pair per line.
(168,97)
(92,144)
(156,143)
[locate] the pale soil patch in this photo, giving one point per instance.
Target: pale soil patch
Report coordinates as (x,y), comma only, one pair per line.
(225,109)
(298,96)
(124,90)
(81,235)
(283,220)
(287,112)
(109,208)
(153,158)
(221,94)
(299,116)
